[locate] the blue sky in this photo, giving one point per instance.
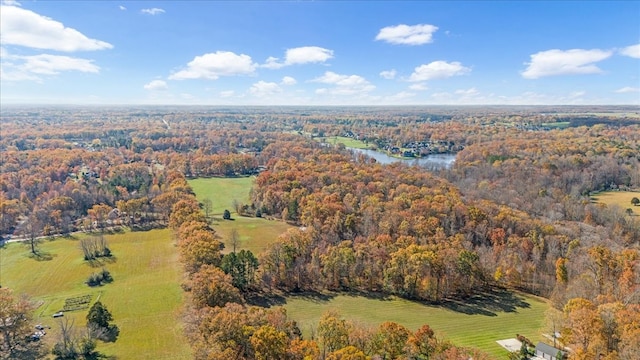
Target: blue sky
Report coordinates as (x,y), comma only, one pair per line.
(320,52)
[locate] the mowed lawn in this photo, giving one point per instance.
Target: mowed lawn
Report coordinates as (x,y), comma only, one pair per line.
(347,141)
(145,297)
(254,234)
(477,323)
(618,198)
(222,191)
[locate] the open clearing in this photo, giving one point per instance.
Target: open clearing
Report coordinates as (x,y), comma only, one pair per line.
(254,234)
(478,322)
(559,125)
(348,142)
(145,297)
(222,191)
(618,198)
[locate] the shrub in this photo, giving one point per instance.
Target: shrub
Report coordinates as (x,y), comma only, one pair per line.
(106,275)
(96,279)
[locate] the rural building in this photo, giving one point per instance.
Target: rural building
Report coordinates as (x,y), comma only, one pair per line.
(548,352)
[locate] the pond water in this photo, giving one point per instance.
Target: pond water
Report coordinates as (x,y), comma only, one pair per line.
(435,161)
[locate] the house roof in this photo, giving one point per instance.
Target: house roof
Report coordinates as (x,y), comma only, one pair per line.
(547,349)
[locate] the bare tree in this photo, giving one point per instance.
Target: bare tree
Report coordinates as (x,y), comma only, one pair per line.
(66,347)
(237,206)
(207,205)
(32,230)
(234,238)
(95,247)
(74,345)
(15,328)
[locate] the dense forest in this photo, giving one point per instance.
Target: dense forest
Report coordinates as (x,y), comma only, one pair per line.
(514,211)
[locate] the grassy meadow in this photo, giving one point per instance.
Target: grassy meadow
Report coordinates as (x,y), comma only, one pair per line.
(618,198)
(145,297)
(477,322)
(254,234)
(558,125)
(348,142)
(222,191)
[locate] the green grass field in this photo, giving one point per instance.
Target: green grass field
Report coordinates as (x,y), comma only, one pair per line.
(145,297)
(255,234)
(348,142)
(559,125)
(618,198)
(222,191)
(477,323)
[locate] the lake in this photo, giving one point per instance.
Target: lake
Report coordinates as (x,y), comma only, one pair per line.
(434,161)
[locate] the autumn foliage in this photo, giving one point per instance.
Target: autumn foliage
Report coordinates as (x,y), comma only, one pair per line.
(514,211)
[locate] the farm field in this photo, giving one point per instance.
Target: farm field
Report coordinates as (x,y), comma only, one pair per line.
(145,297)
(477,322)
(222,191)
(618,198)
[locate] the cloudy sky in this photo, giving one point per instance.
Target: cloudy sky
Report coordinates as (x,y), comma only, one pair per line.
(320,52)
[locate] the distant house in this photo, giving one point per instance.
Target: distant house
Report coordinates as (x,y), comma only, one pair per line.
(548,352)
(114,214)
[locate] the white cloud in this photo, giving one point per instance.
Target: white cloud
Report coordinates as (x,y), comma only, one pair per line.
(467,92)
(264,89)
(122,7)
(632,51)
(8,72)
(407,34)
(226,93)
(627,89)
(19,68)
(577,94)
(288,80)
(152,11)
(156,85)
(272,63)
(579,97)
(307,54)
(213,65)
(419,87)
(10,3)
(25,28)
(300,55)
(557,62)
(388,74)
(438,70)
(53,64)
(403,95)
(344,84)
